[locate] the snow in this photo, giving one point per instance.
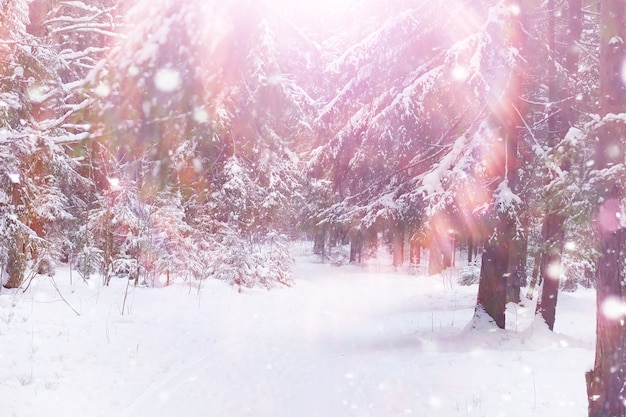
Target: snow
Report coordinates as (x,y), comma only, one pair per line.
(14,177)
(505,197)
(432,181)
(343,341)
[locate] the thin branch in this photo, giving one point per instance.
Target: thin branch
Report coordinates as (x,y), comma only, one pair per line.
(528,129)
(54,284)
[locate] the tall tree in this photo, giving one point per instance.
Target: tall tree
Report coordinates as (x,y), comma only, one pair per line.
(606,381)
(562,74)
(36,171)
(398,157)
(503,225)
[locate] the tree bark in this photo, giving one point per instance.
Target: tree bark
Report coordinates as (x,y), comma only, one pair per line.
(16,253)
(605,382)
(319,241)
(495,273)
(551,268)
(415,252)
(492,286)
(435,258)
(448,246)
(558,125)
(518,254)
(356,246)
(398,245)
(16,262)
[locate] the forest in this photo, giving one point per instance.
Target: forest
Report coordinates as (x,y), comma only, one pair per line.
(165,139)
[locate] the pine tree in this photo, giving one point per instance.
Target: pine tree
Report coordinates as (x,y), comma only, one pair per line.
(35,168)
(391,149)
(605,382)
(495,267)
(562,92)
(212,116)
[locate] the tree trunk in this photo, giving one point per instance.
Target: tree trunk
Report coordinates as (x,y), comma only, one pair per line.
(551,268)
(534,281)
(492,285)
(319,241)
(107,255)
(398,244)
(16,262)
(558,125)
(447,244)
(415,252)
(605,382)
(517,268)
(435,261)
(494,271)
(477,244)
(16,253)
(37,14)
(470,248)
(356,246)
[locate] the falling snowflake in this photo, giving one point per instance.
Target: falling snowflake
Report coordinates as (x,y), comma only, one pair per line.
(114,183)
(200,116)
(167,80)
(515,9)
(102,90)
(613,308)
(197,165)
(570,246)
(459,73)
(554,270)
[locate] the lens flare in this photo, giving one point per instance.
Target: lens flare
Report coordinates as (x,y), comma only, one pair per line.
(613,308)
(515,9)
(201,116)
(103,90)
(114,183)
(167,80)
(554,270)
(570,246)
(459,73)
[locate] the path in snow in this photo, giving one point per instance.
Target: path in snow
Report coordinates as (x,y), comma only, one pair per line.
(344,341)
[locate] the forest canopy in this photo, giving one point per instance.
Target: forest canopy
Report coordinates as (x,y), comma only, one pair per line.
(141,138)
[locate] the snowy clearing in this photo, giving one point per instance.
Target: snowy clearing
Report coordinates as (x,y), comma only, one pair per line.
(344,341)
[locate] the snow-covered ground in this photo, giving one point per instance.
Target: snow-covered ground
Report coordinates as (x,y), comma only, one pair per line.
(344,341)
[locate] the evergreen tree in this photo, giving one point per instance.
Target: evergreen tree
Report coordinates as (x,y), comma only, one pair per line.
(562,92)
(605,382)
(495,268)
(36,170)
(206,110)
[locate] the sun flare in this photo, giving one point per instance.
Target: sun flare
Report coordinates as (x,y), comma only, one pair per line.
(315,9)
